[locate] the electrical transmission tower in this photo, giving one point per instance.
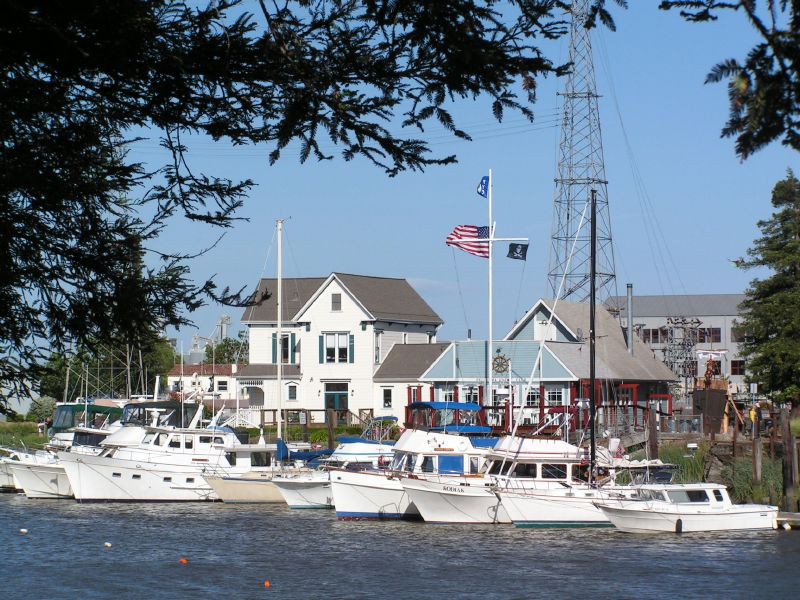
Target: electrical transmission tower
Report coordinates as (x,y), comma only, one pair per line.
(679,354)
(580,170)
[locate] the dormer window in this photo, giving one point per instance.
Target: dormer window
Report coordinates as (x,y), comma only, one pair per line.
(336,302)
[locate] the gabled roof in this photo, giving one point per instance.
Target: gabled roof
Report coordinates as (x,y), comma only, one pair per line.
(697,305)
(408,361)
(383,298)
(613,359)
(296,292)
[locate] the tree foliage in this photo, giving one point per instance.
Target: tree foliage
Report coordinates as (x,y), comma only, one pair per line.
(108,371)
(764,88)
(771,310)
(229,350)
(41,409)
(85,82)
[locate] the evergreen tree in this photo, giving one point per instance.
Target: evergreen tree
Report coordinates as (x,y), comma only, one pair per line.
(764,87)
(771,310)
(84,81)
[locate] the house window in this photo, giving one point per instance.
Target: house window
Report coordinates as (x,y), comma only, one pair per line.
(378,335)
(387,397)
(336,302)
(447,396)
(737,334)
(222,386)
(554,396)
(415,394)
(716,367)
(737,367)
(292,392)
(470,394)
(709,335)
(533,398)
(337,347)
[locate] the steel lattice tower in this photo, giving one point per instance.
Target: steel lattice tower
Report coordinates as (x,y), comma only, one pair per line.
(580,170)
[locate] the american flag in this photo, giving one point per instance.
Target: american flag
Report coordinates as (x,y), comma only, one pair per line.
(470,238)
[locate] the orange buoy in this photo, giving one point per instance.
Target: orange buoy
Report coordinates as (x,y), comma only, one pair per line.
(184,561)
(267,583)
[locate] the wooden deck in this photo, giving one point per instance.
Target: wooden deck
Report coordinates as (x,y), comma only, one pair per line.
(791,519)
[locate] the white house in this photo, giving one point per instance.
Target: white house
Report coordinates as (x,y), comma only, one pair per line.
(336,333)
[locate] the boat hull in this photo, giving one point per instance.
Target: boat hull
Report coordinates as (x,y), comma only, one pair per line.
(48,481)
(104,479)
(441,501)
(554,508)
(310,491)
(637,520)
(370,495)
(245,490)
(7,481)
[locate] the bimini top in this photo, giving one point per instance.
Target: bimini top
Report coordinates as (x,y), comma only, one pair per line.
(466,406)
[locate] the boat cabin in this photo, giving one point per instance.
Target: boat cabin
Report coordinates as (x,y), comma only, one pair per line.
(451,417)
(72,414)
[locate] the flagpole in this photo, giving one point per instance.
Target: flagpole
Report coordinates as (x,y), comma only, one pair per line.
(489,349)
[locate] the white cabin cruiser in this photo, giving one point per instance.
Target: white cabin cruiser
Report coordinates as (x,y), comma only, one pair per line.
(313,489)
(686,507)
(441,449)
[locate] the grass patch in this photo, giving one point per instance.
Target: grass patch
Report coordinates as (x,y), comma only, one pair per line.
(21,435)
(738,476)
(691,464)
(794,424)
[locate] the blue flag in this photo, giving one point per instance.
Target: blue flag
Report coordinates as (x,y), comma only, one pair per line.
(483,187)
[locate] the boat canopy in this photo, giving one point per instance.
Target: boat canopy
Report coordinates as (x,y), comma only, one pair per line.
(465,406)
(465,430)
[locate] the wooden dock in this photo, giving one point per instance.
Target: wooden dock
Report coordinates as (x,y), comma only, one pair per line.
(790,519)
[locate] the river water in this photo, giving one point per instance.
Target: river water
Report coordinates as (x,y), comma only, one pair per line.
(230,551)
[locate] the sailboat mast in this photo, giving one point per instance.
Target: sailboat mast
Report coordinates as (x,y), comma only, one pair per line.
(592,301)
(279,346)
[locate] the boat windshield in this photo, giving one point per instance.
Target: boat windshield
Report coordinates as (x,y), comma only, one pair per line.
(399,461)
(687,496)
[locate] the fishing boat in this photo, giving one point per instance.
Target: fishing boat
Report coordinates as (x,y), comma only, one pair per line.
(683,508)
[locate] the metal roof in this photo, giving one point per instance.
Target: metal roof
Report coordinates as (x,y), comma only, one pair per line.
(698,305)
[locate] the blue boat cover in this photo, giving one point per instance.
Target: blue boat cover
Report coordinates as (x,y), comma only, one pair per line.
(463,429)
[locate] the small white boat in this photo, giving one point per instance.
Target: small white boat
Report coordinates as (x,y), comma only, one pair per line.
(682,508)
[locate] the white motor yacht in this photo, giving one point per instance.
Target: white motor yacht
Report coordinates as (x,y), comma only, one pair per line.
(682,508)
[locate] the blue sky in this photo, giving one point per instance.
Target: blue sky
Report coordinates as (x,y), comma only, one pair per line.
(681,202)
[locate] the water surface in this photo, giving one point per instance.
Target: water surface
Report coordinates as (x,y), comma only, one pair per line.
(233,549)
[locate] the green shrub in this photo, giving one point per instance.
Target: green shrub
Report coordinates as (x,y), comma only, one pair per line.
(738,476)
(691,464)
(21,435)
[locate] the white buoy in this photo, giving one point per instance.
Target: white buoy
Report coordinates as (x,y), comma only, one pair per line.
(107,544)
(786,526)
(23,532)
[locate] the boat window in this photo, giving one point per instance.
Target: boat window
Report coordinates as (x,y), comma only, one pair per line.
(428,464)
(259,459)
(398,462)
(718,495)
(137,476)
(410,462)
(524,470)
(188,442)
(175,441)
(148,437)
(580,472)
(167,479)
(684,496)
(474,467)
(190,480)
(116,474)
(204,439)
(554,471)
(497,465)
(161,439)
(219,440)
(64,418)
(231,458)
